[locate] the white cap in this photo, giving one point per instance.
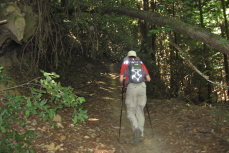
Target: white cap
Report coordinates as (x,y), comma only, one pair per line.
(132,53)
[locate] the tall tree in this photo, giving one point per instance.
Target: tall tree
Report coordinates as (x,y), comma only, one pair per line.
(175,62)
(208,68)
(226,68)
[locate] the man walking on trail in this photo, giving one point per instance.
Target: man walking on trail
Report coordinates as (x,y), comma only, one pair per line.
(135,93)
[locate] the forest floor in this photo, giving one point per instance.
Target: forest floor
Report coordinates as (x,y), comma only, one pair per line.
(177,127)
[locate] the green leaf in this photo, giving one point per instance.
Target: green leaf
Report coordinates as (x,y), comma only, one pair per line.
(43,102)
(31,133)
(18,136)
(20,145)
(27,142)
(223,41)
(9,96)
(75,120)
(1,121)
(81,99)
(4,81)
(152,32)
(27,113)
(79,107)
(51,113)
(3,129)
(54,125)
(7,77)
(18,99)
(34,111)
(4,149)
(10,134)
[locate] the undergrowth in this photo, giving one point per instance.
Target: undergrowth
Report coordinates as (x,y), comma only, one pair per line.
(46,98)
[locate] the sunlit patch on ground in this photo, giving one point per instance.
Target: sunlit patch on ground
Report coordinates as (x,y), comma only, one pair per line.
(108,98)
(93,119)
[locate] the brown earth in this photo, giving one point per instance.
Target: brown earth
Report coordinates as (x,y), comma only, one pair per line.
(177,127)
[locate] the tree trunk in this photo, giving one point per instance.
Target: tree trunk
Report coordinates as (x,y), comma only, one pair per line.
(227,36)
(206,57)
(174,65)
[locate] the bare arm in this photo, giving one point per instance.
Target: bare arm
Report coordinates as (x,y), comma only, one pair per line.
(148,79)
(121,79)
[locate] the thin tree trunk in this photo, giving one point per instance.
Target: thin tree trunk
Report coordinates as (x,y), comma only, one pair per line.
(227,36)
(174,65)
(155,74)
(206,57)
(144,28)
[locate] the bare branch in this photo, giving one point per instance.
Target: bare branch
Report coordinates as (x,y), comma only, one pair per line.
(190,63)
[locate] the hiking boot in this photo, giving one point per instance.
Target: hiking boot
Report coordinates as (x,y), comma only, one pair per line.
(141,139)
(137,136)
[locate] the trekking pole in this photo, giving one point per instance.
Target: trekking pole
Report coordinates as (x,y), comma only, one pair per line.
(149,116)
(120,121)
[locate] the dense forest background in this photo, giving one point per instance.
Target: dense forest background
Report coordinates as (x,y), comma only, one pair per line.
(68,31)
(59,69)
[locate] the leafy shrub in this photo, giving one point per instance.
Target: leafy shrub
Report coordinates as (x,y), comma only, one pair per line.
(47,96)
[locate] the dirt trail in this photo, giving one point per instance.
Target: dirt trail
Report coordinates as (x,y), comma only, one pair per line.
(151,143)
(176,125)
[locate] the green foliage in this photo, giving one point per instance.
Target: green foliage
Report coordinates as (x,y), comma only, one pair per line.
(13,140)
(4,79)
(103,36)
(223,41)
(47,97)
(155,31)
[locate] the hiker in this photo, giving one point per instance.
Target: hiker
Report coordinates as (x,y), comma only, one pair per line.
(135,93)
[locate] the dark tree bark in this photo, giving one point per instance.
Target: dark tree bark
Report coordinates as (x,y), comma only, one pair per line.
(197,33)
(144,27)
(206,58)
(226,68)
(175,63)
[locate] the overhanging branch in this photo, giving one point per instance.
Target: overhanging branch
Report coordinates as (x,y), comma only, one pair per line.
(197,33)
(191,65)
